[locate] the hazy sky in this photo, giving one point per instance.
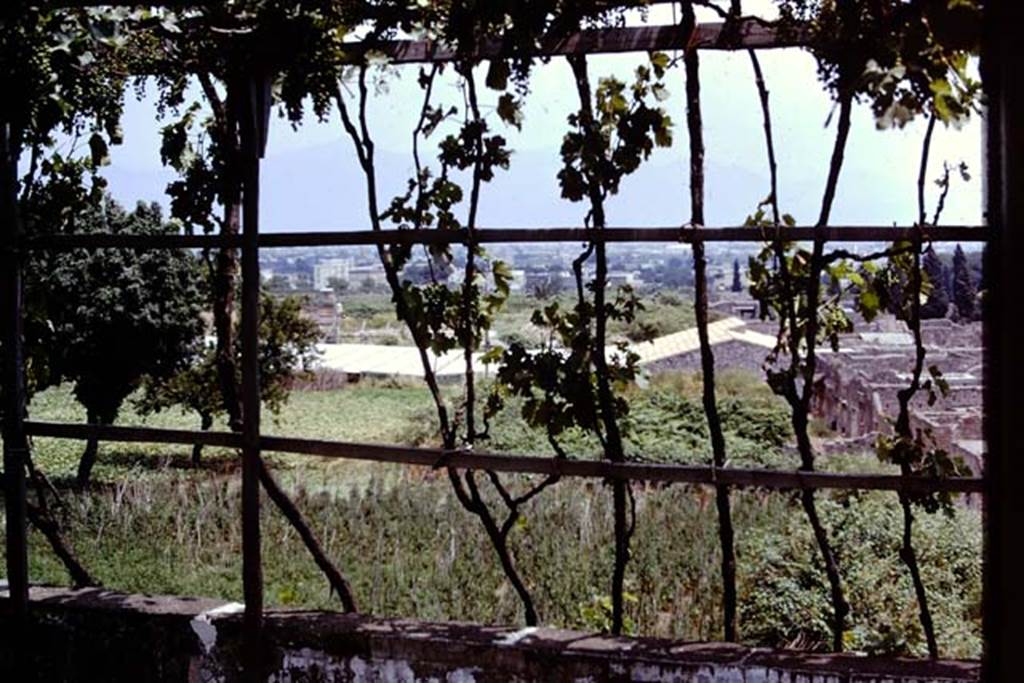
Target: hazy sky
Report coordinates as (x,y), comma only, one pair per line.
(311,180)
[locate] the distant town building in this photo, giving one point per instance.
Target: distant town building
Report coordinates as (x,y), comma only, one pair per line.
(518,282)
(737,304)
(618,278)
(367,276)
(331,269)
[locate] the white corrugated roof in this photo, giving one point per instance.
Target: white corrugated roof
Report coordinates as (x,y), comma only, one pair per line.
(378,359)
(686,341)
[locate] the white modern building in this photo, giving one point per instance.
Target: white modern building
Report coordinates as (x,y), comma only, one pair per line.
(329,269)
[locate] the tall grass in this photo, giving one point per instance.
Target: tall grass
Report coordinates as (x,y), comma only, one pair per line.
(154,525)
(410,550)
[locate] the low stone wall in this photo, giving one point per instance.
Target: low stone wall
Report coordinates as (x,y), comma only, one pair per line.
(98,635)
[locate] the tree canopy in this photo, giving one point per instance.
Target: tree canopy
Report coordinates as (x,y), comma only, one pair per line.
(964,290)
(287,350)
(118,315)
(937,304)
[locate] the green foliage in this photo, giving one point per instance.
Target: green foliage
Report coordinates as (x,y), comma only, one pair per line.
(199,154)
(665,423)
(410,551)
(905,58)
(287,351)
(787,604)
(119,315)
(937,303)
(886,288)
(516,26)
(57,64)
(964,291)
(596,615)
(439,316)
(627,129)
(558,388)
(558,383)
(923,458)
(58,85)
(780,280)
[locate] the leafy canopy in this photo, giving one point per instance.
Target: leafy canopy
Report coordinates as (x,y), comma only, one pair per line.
(119,315)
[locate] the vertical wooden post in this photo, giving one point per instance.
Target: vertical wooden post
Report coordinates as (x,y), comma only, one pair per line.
(1003,603)
(13,378)
(252,104)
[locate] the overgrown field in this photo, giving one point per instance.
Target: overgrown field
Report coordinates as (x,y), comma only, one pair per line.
(370,318)
(153,524)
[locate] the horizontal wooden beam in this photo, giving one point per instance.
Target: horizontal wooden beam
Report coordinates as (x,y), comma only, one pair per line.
(841,234)
(621,235)
(114,433)
(588,469)
(749,34)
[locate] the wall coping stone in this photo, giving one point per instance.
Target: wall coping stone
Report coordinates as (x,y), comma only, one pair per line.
(517,652)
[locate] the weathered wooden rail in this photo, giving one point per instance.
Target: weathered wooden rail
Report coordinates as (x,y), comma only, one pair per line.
(665,473)
(331,238)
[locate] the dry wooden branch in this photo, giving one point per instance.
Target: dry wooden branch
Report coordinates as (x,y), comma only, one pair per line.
(906,395)
(612,438)
(799,398)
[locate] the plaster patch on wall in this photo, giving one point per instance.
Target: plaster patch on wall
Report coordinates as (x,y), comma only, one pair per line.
(306,661)
(400,671)
(381,670)
(516,636)
(715,673)
(203,627)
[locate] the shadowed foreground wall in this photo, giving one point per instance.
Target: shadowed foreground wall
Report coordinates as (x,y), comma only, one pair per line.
(97,635)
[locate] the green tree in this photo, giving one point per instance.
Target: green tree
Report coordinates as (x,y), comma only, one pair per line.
(937,304)
(119,315)
(287,351)
(676,273)
(56,88)
(339,285)
(207,45)
(737,281)
(964,291)
(278,283)
(550,286)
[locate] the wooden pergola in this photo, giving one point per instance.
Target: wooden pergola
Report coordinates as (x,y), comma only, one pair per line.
(1002,66)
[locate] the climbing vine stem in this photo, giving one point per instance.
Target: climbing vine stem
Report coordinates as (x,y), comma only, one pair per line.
(718,448)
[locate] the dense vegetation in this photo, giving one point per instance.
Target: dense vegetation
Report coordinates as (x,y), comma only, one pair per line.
(369,318)
(153,524)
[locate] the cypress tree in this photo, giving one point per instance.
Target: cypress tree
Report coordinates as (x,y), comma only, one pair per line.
(963,288)
(737,282)
(937,304)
